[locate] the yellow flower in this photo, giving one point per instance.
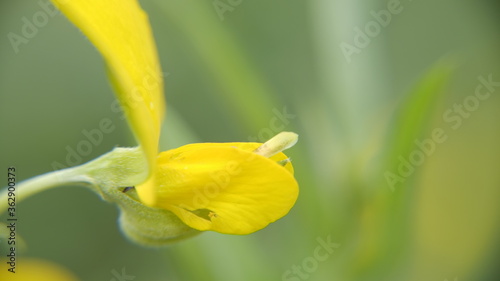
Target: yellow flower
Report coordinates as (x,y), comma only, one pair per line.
(225,187)
(30,269)
(235,188)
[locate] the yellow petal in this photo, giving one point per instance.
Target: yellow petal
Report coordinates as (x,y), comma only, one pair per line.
(30,269)
(225,187)
(246,146)
(120,31)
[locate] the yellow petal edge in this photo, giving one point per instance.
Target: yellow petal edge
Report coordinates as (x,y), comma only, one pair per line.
(120,30)
(225,187)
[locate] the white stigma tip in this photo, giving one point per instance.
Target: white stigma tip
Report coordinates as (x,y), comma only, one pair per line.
(277,144)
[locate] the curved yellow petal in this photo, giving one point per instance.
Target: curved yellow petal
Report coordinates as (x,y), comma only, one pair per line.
(120,31)
(35,269)
(225,187)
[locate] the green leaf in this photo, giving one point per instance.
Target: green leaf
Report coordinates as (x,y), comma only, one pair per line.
(386,241)
(413,117)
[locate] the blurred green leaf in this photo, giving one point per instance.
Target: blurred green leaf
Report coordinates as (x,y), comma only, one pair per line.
(243,90)
(384,220)
(413,117)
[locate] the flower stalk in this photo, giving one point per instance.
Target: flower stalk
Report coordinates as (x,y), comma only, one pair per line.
(119,167)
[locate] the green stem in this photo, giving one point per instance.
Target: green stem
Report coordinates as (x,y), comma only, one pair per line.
(118,168)
(40,183)
(107,175)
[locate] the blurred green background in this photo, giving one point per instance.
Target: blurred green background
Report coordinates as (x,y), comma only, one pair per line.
(232,67)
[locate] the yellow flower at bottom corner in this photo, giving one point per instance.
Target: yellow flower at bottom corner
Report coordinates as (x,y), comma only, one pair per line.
(31,269)
(225,187)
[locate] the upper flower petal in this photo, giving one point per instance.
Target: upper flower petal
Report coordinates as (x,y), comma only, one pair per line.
(120,31)
(225,187)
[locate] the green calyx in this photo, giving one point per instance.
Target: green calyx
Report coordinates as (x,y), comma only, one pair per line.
(142,224)
(108,175)
(150,226)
